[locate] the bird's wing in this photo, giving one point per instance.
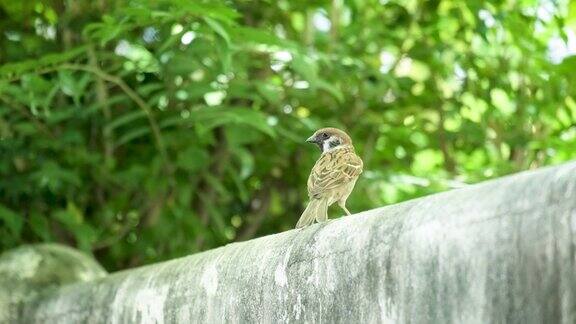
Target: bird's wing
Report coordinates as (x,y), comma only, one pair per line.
(333,170)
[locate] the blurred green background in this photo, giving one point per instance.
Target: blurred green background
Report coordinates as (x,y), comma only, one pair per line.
(145,130)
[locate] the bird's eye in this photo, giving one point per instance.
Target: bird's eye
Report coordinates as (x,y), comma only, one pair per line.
(325,135)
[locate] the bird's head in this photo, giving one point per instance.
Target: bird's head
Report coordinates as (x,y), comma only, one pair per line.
(330,138)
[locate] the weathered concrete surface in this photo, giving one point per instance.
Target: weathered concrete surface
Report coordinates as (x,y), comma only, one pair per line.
(498,252)
(28,270)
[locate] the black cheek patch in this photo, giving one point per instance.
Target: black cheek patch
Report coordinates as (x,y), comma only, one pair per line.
(333,144)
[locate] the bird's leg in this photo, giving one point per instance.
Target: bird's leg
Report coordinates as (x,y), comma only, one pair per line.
(346,210)
(342,205)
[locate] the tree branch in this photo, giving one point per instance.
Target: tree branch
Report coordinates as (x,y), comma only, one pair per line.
(259,214)
(220,158)
(24,112)
(103,97)
(130,93)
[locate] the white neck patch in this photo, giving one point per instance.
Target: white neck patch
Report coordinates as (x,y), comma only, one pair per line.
(331,143)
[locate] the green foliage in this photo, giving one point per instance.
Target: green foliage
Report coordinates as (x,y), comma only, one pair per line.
(146,130)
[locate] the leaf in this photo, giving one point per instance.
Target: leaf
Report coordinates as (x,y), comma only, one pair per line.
(54,177)
(501,101)
(246,162)
(219,29)
(215,214)
(73,210)
(249,117)
(271,92)
(12,220)
(238,135)
(306,68)
(211,117)
(571,17)
(213,10)
(244,35)
(133,134)
(225,55)
(70,216)
(25,128)
(218,186)
(71,86)
(40,226)
(193,159)
(96,106)
(125,119)
(242,191)
(18,68)
(334,91)
(106,30)
(419,71)
(426,161)
(73,220)
(85,235)
(142,58)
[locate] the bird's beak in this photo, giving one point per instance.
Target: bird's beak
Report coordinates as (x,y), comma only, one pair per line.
(311,139)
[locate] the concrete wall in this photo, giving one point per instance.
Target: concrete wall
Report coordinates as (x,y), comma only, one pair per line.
(502,251)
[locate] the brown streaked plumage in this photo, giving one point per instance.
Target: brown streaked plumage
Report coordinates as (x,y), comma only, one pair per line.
(333,176)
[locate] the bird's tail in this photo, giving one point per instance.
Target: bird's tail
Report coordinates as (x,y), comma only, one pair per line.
(317,209)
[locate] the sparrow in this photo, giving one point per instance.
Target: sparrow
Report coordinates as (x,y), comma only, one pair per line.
(333,176)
